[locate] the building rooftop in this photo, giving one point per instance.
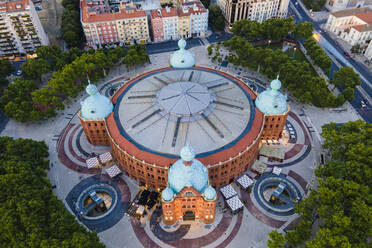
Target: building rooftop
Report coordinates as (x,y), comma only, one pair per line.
(9,6)
(350,12)
(95,106)
(168,12)
(102,14)
(363,28)
(182,58)
(271,101)
(365,16)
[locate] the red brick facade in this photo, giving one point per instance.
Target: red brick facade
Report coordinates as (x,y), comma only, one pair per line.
(191,201)
(274,125)
(95,131)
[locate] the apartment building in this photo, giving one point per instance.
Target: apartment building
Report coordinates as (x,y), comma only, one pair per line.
(20,29)
(352,25)
(170,23)
(189,20)
(157,28)
(258,10)
(104,24)
(198,18)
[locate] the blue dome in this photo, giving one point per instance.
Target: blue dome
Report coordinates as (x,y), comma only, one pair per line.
(182,58)
(210,193)
(194,175)
(95,106)
(167,194)
(271,101)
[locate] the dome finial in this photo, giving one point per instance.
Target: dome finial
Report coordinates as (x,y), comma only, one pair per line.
(91,89)
(276,84)
(187,153)
(182,44)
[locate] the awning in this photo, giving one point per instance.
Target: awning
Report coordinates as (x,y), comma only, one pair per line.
(105,157)
(234,203)
(259,167)
(228,191)
(92,162)
(113,171)
(245,181)
(272,152)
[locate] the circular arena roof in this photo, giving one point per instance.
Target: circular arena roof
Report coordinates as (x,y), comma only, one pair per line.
(158,113)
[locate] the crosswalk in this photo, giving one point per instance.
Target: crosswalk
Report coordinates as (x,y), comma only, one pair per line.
(204,41)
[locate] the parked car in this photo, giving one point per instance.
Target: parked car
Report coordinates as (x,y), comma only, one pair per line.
(347,54)
(365,101)
(363,104)
(19,72)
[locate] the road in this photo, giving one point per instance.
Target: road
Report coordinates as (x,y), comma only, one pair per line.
(300,16)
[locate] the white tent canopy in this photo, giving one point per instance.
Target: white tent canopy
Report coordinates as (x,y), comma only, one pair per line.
(228,191)
(245,181)
(113,171)
(234,203)
(92,162)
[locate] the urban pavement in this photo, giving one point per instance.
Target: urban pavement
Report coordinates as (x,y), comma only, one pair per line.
(248,229)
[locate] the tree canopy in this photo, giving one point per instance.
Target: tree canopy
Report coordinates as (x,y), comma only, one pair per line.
(72,31)
(272,29)
(6,67)
(296,76)
(24,101)
(340,209)
(136,55)
(34,68)
(317,54)
(30,214)
(303,30)
(216,18)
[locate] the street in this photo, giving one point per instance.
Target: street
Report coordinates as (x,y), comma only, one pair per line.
(365,113)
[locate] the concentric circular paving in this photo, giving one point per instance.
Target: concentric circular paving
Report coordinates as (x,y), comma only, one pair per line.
(287,194)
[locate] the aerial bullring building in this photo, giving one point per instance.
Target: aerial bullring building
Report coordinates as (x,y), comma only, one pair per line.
(153,116)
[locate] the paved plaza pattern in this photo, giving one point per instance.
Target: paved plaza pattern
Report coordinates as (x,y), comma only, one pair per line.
(69,150)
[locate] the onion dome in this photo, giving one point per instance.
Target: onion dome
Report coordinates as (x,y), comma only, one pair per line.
(167,194)
(271,101)
(188,172)
(95,106)
(210,193)
(182,58)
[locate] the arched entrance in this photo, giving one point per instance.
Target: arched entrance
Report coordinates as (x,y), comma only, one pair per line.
(189,215)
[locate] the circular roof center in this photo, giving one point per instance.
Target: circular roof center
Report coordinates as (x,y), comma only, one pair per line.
(184,98)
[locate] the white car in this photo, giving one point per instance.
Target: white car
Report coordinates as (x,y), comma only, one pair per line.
(19,72)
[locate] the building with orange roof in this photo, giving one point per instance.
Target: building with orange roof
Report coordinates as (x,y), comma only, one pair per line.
(103,24)
(20,29)
(352,25)
(257,10)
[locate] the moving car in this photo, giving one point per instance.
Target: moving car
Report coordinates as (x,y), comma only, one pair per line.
(363,104)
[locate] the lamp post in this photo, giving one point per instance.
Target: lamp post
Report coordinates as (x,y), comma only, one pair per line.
(269,41)
(294,52)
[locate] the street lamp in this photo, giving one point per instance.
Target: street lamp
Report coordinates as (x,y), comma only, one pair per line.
(294,52)
(269,42)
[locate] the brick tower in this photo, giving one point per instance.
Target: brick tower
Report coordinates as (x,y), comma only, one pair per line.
(273,105)
(94,109)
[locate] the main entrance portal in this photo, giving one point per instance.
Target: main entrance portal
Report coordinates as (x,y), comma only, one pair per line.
(189,215)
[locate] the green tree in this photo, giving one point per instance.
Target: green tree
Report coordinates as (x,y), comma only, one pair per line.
(35,68)
(303,30)
(6,67)
(216,18)
(342,202)
(206,3)
(31,215)
(346,77)
(136,55)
